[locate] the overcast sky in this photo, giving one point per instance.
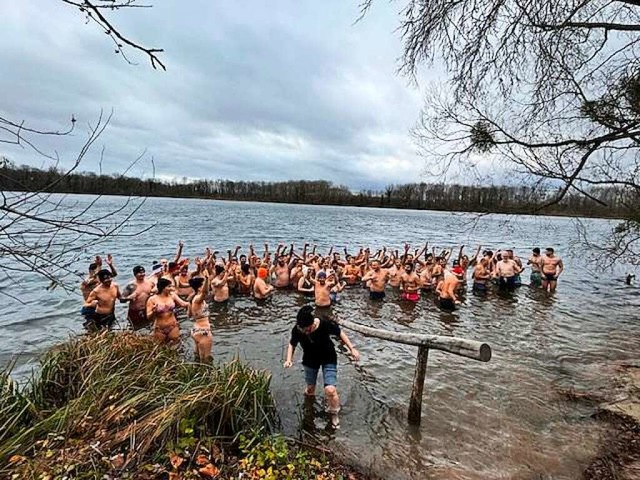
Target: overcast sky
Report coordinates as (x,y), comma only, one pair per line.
(253,90)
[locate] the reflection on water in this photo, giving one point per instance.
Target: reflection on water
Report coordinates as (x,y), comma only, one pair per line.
(502,419)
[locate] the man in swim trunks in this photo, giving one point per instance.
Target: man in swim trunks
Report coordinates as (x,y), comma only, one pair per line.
(137,314)
(409,284)
(103,299)
(481,275)
(446,290)
(352,272)
(535,260)
(506,271)
(377,280)
(552,267)
(282,272)
(322,290)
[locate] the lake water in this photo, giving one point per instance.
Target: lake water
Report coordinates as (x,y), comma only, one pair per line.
(502,419)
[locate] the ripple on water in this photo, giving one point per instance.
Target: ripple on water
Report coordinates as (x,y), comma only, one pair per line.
(502,419)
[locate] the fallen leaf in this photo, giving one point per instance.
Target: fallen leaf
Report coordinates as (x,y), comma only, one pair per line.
(17,459)
(117,461)
(209,470)
(202,460)
(176,460)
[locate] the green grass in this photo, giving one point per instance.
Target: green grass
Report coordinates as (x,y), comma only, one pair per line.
(110,400)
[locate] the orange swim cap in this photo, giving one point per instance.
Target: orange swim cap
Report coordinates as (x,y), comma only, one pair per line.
(262,273)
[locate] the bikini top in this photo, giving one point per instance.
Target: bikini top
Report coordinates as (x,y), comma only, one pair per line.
(204,312)
(169,308)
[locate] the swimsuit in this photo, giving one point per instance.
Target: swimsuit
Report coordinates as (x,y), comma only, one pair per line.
(376,295)
(535,279)
(137,317)
(550,277)
(479,287)
(508,282)
(101,320)
(201,331)
(447,304)
(166,308)
(166,330)
(411,296)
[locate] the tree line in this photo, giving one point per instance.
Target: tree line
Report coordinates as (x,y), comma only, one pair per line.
(601,202)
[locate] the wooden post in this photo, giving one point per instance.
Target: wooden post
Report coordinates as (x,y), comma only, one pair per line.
(415,403)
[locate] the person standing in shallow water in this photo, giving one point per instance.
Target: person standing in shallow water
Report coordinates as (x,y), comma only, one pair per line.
(552,267)
(313,335)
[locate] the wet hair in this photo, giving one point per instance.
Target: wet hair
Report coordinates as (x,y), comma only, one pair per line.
(499,256)
(305,316)
(219,269)
(162,284)
(550,249)
(243,256)
(245,268)
(410,265)
(196,283)
(104,274)
(93,266)
(536,251)
(138,269)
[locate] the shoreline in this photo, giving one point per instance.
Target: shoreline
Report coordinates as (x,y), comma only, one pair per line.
(525,212)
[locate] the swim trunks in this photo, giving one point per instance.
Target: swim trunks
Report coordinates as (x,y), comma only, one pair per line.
(376,295)
(137,318)
(447,304)
(410,296)
(550,277)
(535,279)
(479,287)
(508,282)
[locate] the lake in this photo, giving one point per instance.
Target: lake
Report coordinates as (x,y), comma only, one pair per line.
(502,419)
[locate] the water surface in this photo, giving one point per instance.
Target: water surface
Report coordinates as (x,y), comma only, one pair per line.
(502,419)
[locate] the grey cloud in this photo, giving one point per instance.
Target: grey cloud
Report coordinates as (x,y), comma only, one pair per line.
(257,91)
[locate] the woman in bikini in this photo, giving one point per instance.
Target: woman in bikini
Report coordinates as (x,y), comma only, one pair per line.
(160,309)
(199,310)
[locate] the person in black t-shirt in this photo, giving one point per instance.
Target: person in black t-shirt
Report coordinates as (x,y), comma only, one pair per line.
(313,335)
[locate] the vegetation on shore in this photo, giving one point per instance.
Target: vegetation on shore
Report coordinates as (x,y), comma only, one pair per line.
(119,406)
(612,202)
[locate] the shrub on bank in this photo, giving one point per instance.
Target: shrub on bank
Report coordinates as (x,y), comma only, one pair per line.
(120,406)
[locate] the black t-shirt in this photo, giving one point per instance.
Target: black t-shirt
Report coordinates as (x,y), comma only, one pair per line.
(317,346)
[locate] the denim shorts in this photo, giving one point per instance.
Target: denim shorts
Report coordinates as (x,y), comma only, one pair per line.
(329,374)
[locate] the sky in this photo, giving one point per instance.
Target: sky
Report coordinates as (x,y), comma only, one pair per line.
(254,90)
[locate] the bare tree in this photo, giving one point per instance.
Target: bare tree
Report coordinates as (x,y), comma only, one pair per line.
(547,89)
(46,233)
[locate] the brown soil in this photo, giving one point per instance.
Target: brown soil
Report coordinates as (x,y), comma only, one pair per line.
(619,457)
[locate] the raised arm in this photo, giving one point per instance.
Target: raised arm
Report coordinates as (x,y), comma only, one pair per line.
(178,252)
(112,266)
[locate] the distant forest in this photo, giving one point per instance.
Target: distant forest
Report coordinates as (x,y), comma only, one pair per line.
(421,196)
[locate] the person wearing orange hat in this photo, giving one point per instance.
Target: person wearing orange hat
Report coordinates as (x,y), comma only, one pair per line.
(260,288)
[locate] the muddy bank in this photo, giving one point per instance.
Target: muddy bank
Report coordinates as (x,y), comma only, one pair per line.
(619,454)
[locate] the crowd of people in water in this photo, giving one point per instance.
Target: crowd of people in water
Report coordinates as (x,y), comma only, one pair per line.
(154,299)
(213,278)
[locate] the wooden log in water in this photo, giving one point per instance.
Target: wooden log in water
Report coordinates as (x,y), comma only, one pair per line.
(460,346)
(415,402)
